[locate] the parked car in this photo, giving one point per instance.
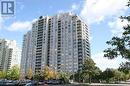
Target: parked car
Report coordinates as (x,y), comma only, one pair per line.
(24,82)
(7,83)
(34,83)
(29,84)
(41,82)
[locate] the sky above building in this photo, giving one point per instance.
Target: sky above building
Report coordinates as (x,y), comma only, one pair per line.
(101,16)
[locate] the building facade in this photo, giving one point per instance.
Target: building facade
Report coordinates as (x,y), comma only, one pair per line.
(9,54)
(60,41)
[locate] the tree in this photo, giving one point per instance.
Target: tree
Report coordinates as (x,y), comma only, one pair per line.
(13,73)
(117,75)
(29,74)
(114,75)
(97,76)
(107,75)
(64,77)
(48,73)
(45,73)
(78,76)
(2,74)
(89,69)
(37,77)
(124,76)
(120,46)
(125,67)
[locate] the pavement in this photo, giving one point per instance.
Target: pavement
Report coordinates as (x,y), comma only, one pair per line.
(127,83)
(122,83)
(100,84)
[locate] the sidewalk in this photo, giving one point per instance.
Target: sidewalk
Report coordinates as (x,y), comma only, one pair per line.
(103,84)
(100,84)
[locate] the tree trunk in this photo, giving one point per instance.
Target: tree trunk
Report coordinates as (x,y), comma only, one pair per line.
(89,79)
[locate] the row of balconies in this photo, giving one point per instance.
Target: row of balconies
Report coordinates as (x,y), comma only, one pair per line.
(40,27)
(39,45)
(38,53)
(39,42)
(38,62)
(39,48)
(40,32)
(39,35)
(38,57)
(40,23)
(39,39)
(37,67)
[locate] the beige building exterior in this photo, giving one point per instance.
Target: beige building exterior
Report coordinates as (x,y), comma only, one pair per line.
(59,41)
(10,54)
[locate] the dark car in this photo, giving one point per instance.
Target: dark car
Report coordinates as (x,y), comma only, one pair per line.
(7,83)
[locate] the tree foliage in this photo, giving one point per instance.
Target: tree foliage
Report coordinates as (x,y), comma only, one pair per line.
(107,75)
(114,75)
(78,76)
(89,69)
(29,73)
(64,77)
(125,67)
(97,76)
(37,77)
(49,73)
(45,73)
(120,46)
(13,73)
(2,74)
(89,72)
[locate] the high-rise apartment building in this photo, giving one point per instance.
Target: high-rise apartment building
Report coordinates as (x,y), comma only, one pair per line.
(60,41)
(9,54)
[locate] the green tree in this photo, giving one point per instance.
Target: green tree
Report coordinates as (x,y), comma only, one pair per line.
(107,75)
(124,76)
(37,77)
(78,76)
(117,75)
(125,67)
(120,46)
(13,73)
(114,75)
(2,74)
(89,69)
(64,77)
(97,76)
